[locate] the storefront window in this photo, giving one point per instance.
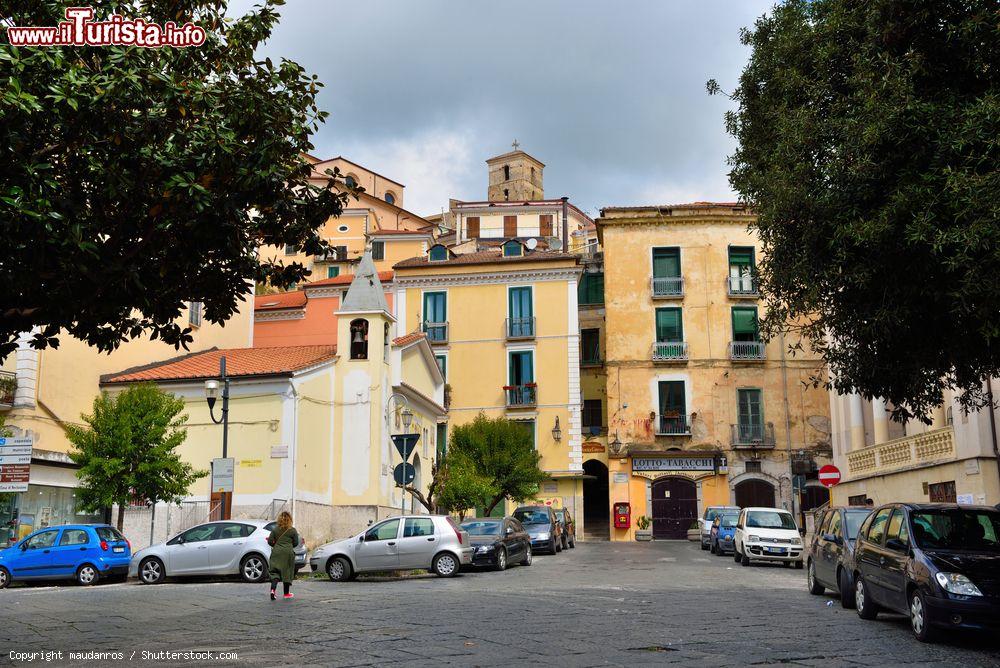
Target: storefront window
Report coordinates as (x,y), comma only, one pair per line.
(42,506)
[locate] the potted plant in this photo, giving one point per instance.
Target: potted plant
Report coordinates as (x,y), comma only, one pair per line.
(8,384)
(642,531)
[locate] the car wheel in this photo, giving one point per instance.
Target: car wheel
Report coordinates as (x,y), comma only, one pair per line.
(253,568)
(845,588)
(552,546)
(711,548)
(736,555)
(920,623)
(4,578)
(798,565)
(338,569)
(527,556)
(445,565)
(866,607)
(501,564)
(572,543)
(704,545)
(87,575)
(744,560)
(151,571)
(815,588)
(565,542)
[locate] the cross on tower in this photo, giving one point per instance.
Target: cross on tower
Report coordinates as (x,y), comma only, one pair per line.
(516,145)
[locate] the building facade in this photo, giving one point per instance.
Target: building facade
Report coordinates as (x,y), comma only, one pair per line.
(700,411)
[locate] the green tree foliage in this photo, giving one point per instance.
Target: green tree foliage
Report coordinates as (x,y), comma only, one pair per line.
(462,487)
(135,179)
(869,147)
(128,450)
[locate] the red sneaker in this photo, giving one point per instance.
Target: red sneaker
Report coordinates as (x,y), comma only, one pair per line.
(289,595)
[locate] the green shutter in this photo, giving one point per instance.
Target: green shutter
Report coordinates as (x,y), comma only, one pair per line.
(591,290)
(332,272)
(442,365)
(520,303)
(668,325)
(435,307)
(521,368)
(666,262)
(741,256)
(745,324)
(749,409)
(378,250)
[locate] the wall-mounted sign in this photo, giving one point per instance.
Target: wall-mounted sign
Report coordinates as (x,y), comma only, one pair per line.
(592,446)
(621,477)
(965,499)
(279,452)
(223,474)
(674,464)
(251,463)
(550,487)
(15,464)
(554,502)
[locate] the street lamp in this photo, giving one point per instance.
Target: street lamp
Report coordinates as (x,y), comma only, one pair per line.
(407,416)
(211,395)
(556,431)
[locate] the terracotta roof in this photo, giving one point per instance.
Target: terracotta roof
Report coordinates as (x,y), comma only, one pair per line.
(240,363)
(487,257)
(345,279)
(379,233)
(408,338)
(360,166)
(280,300)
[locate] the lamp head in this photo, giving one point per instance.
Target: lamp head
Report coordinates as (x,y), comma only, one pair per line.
(556,431)
(407,418)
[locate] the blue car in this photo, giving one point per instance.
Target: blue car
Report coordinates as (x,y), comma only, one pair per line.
(720,540)
(82,552)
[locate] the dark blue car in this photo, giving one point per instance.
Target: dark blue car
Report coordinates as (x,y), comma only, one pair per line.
(82,552)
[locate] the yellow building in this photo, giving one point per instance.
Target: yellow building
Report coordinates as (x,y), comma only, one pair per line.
(311,426)
(700,410)
(503,326)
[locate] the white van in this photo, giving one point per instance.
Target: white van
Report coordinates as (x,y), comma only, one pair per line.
(767,534)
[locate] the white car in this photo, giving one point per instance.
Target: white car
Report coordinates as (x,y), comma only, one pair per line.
(767,534)
(432,542)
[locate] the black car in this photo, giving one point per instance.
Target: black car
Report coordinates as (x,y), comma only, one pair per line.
(498,542)
(830,553)
(568,527)
(938,563)
(542,526)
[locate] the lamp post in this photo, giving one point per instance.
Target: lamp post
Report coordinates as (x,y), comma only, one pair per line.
(407,416)
(211,395)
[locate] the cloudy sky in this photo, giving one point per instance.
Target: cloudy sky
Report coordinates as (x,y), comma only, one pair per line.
(610,95)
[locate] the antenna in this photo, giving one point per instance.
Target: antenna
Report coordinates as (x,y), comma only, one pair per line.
(532,243)
(555,243)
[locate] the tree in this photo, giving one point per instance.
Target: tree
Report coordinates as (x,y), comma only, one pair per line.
(136,180)
(455,486)
(128,450)
(869,148)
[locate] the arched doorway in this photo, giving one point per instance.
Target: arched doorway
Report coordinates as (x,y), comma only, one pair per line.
(754,492)
(814,496)
(596,502)
(675,507)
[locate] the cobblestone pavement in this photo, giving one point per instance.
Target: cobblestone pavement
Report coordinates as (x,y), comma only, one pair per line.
(600,604)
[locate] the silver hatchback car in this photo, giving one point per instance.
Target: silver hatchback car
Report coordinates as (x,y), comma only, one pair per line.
(432,542)
(231,547)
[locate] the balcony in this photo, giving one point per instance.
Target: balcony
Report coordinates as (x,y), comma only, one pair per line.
(8,385)
(521,396)
(902,453)
(670,351)
(437,332)
(667,287)
(673,425)
(746,351)
(520,328)
(742,287)
(591,361)
(756,436)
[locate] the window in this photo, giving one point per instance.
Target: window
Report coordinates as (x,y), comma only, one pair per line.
(749,415)
(592,414)
(442,362)
(513,249)
(42,540)
(545,225)
(506,194)
(506,173)
(510,226)
(824,526)
(472,227)
(351,181)
(591,289)
(669,327)
(753,466)
(418,526)
(672,404)
(522,369)
(233,530)
(835,521)
(666,262)
(520,311)
(385,344)
(876,531)
(385,531)
(343,228)
(745,324)
(199,534)
(442,441)
(332,272)
(529,427)
(436,315)
(857,500)
(942,492)
(378,250)
(590,346)
(437,253)
(291,249)
(194,313)
(74,537)
(338,252)
(389,197)
(898,528)
(359,339)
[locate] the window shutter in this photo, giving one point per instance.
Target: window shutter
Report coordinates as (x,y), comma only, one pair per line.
(741,256)
(510,226)
(472,227)
(745,322)
(666,262)
(668,325)
(545,225)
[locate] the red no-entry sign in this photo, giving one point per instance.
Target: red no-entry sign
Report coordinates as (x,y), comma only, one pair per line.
(829,475)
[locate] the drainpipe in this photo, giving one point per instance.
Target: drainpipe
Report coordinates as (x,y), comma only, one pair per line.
(993,422)
(295,438)
(788,419)
(565,225)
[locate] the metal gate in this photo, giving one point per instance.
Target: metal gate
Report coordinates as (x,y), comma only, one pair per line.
(754,493)
(675,507)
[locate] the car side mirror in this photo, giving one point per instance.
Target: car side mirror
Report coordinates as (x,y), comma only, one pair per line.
(361,538)
(24,546)
(896,545)
(830,538)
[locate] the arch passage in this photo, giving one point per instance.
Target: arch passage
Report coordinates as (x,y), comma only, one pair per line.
(754,493)
(596,501)
(675,507)
(814,497)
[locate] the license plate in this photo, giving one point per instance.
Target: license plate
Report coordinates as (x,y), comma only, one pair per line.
(118,549)
(776,550)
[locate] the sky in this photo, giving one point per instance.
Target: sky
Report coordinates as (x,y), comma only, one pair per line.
(609,94)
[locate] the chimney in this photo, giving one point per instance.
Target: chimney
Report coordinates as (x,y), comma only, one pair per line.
(565,225)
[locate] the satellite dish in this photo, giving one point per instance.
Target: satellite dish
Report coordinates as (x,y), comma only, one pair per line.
(555,243)
(532,243)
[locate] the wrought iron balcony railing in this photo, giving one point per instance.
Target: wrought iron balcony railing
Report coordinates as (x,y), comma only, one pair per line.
(520,328)
(753,435)
(670,351)
(742,286)
(521,396)
(437,332)
(746,350)
(667,286)
(673,425)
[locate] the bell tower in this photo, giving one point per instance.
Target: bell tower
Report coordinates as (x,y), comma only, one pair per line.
(515,177)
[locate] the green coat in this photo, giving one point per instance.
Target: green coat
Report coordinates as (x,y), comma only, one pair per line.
(281,565)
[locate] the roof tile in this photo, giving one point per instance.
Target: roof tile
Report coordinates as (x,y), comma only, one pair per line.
(240,362)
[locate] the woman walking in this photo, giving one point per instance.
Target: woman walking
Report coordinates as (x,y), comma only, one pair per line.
(281,565)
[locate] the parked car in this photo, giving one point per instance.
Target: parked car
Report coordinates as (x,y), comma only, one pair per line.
(86,553)
(432,542)
(542,526)
(720,539)
(498,541)
(767,534)
(568,528)
(229,547)
(937,563)
(830,553)
(705,521)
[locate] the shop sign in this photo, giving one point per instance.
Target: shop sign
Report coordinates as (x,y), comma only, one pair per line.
(279,452)
(15,464)
(592,446)
(222,474)
(251,463)
(674,464)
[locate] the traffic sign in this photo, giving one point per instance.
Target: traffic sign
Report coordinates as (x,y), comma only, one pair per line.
(405,443)
(404,473)
(222,474)
(829,475)
(15,464)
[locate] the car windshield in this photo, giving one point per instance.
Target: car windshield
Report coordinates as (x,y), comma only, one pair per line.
(767,519)
(482,528)
(957,529)
(712,513)
(531,516)
(854,520)
(728,521)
